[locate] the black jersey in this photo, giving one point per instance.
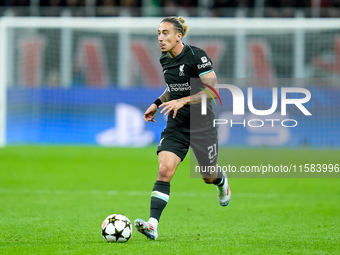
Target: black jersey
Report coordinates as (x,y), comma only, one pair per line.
(190,63)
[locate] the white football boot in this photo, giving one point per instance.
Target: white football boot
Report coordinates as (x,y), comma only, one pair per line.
(146,229)
(224,193)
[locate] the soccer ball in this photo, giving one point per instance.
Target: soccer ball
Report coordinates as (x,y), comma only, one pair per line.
(116,228)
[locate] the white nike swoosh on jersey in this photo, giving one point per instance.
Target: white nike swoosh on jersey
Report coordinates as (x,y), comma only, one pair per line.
(165,71)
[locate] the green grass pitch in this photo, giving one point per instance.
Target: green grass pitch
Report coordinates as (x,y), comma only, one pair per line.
(54,199)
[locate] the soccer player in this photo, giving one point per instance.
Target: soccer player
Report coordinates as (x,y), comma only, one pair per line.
(181,63)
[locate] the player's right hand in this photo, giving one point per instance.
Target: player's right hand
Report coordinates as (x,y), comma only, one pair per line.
(150,113)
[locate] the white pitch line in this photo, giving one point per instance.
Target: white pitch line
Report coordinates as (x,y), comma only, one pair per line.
(126,193)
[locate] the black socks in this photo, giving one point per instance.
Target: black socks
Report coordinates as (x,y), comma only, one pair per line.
(159,198)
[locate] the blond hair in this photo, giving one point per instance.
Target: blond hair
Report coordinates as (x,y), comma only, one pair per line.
(178,23)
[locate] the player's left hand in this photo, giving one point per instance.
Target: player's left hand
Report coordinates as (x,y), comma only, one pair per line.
(173,105)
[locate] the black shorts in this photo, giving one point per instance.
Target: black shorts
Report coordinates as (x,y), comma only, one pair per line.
(204,145)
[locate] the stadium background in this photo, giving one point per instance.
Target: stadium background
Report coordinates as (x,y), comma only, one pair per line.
(69,84)
(88,80)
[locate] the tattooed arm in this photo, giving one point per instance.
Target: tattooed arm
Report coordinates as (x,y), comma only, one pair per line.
(165,97)
(150,113)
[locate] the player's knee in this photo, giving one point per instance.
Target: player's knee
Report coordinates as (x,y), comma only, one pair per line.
(164,172)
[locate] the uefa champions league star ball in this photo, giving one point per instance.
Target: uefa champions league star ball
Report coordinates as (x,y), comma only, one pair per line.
(116,228)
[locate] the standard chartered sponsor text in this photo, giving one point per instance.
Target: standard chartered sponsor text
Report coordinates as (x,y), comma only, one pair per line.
(179,86)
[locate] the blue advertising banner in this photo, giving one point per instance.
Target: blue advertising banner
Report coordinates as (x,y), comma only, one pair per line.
(113,117)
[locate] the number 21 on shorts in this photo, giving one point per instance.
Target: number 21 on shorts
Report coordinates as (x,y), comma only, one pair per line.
(212,152)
